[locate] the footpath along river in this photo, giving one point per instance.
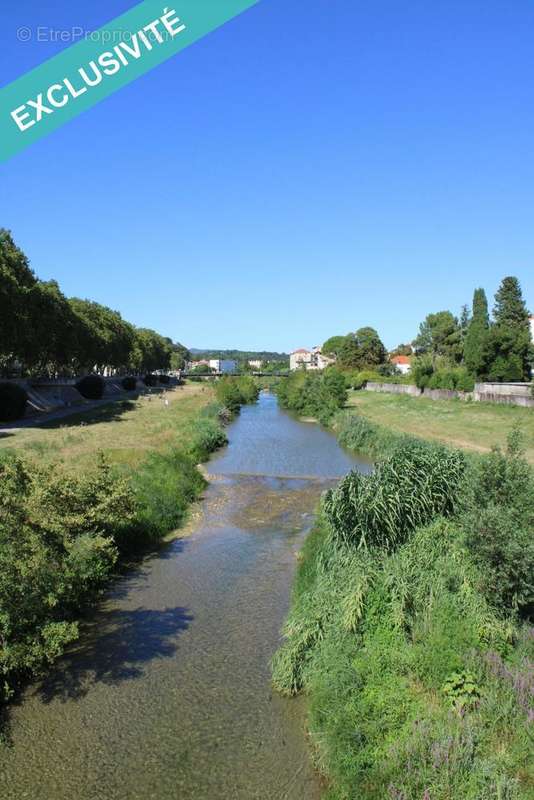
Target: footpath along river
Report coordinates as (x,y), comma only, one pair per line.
(167,695)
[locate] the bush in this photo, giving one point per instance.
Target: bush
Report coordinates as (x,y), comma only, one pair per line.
(13,399)
(164,379)
(314,394)
(498,522)
(150,380)
(164,486)
(91,387)
(57,537)
(129,383)
(453,379)
(235,392)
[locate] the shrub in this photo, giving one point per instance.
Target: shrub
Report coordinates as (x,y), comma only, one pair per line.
(129,383)
(498,522)
(235,392)
(150,380)
(164,486)
(13,399)
(164,379)
(57,536)
(314,394)
(91,387)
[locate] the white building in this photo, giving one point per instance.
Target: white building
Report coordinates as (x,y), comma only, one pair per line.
(403,364)
(256,363)
(224,365)
(309,359)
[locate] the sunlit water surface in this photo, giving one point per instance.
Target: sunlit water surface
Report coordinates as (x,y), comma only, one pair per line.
(168,694)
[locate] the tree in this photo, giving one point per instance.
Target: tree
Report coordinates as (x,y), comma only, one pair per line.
(440,335)
(180,356)
(402,350)
(333,345)
(16,280)
(476,338)
(362,349)
(509,341)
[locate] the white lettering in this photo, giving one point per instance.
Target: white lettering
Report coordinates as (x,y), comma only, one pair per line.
(50,96)
(39,107)
(75,93)
(91,81)
(109,64)
(19,118)
(170,20)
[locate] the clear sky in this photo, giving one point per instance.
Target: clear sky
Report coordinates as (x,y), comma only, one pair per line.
(311,167)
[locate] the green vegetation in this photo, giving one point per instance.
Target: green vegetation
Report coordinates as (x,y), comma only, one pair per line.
(67,519)
(232,393)
(450,352)
(477,334)
(473,426)
(312,394)
(44,333)
(13,399)
(409,629)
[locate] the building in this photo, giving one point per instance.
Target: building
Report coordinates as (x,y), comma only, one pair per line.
(402,363)
(309,359)
(224,365)
(256,363)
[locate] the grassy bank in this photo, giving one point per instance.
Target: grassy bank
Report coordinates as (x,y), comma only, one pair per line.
(411,622)
(76,498)
(471,426)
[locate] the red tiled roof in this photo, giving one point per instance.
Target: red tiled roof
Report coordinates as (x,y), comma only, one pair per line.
(302,350)
(401,360)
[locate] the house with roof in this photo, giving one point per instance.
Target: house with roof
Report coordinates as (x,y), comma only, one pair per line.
(309,359)
(403,364)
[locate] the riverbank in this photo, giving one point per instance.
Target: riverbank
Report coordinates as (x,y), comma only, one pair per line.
(410,627)
(80,499)
(167,693)
(125,430)
(475,427)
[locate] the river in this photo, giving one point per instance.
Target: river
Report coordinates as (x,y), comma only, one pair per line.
(167,695)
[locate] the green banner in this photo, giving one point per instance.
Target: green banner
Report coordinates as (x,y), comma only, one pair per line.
(102,62)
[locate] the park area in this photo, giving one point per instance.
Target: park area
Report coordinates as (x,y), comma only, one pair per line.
(126,430)
(472,426)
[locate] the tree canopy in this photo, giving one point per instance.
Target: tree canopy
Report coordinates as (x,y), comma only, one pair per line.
(43,332)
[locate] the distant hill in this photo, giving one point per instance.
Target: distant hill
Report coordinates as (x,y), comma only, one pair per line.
(238,355)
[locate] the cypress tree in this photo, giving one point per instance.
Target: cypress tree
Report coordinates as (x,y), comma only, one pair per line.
(509,341)
(477,333)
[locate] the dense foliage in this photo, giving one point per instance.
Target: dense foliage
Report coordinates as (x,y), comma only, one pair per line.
(418,658)
(232,392)
(13,399)
(314,394)
(449,352)
(44,333)
(415,484)
(62,534)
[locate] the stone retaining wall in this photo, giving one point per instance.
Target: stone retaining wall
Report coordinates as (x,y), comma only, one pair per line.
(517,394)
(512,394)
(394,388)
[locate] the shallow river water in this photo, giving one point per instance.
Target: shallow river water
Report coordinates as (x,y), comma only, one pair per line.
(167,695)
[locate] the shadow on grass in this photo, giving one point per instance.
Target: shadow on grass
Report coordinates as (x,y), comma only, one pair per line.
(110,412)
(115,648)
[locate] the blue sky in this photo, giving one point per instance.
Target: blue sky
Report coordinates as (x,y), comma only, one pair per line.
(309,168)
